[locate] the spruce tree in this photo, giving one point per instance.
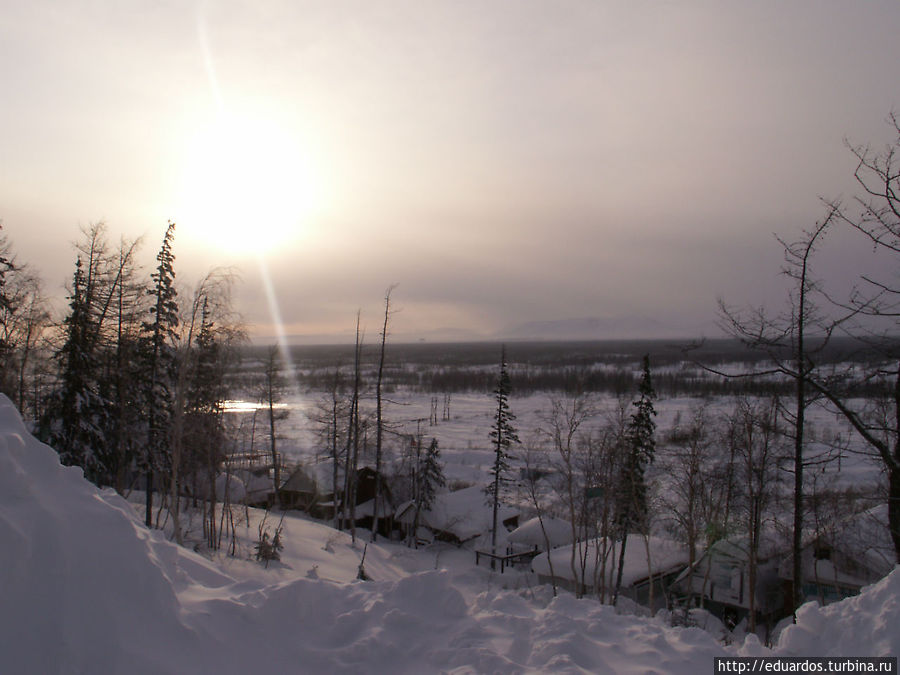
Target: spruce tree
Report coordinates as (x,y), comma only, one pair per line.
(160,334)
(640,447)
(76,416)
(432,476)
(503,435)
(429,476)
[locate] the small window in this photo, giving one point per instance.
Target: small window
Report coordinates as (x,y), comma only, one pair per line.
(822,553)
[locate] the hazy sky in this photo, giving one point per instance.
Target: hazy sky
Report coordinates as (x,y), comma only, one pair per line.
(502,162)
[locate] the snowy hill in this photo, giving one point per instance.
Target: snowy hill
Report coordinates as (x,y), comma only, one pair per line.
(86,588)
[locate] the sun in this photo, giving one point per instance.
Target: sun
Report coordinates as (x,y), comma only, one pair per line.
(245,186)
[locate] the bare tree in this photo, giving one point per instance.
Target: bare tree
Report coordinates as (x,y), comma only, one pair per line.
(24,319)
(379,421)
(876,215)
(785,339)
(693,498)
(352,449)
(565,428)
(758,448)
(535,465)
(330,412)
(273,388)
(211,332)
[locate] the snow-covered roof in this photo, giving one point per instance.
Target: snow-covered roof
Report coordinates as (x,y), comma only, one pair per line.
(861,551)
(299,481)
(320,473)
(385,508)
(464,513)
(665,555)
(530,533)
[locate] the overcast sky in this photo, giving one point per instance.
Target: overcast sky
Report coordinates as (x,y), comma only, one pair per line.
(502,162)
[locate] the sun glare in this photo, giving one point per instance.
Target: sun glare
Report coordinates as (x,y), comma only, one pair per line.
(245,186)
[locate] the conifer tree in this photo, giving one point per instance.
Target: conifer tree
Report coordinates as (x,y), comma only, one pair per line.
(432,476)
(640,447)
(76,415)
(429,476)
(503,435)
(160,334)
(82,419)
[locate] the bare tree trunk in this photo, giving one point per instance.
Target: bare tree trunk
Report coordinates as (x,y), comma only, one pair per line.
(379,429)
(353,436)
(334,457)
(620,569)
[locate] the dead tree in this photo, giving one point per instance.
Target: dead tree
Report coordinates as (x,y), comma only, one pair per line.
(784,338)
(875,213)
(379,420)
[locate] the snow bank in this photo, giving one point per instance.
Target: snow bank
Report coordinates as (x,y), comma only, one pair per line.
(865,625)
(86,589)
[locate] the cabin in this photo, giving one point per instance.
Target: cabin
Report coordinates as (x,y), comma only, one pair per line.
(836,563)
(310,488)
(650,567)
(839,561)
(540,534)
(720,582)
(299,491)
(458,517)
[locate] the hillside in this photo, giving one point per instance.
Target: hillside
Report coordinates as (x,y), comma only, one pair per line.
(87,589)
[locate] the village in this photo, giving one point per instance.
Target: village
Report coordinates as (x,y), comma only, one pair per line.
(658,572)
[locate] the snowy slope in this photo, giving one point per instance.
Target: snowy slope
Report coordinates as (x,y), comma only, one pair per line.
(86,589)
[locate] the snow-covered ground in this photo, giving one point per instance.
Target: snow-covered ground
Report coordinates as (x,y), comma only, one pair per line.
(85,588)
(464,439)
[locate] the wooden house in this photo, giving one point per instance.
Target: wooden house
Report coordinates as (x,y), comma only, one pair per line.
(650,567)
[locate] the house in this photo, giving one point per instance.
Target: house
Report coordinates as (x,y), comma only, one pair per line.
(299,491)
(536,533)
(835,563)
(458,517)
(720,581)
(651,565)
(310,488)
(364,513)
(838,561)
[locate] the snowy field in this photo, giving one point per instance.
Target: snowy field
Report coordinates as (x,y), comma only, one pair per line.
(86,588)
(465,439)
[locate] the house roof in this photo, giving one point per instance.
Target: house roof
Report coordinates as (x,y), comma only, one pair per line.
(464,513)
(299,481)
(530,533)
(862,539)
(385,508)
(665,555)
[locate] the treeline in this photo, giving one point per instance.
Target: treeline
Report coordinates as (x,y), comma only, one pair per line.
(571,380)
(609,367)
(129,382)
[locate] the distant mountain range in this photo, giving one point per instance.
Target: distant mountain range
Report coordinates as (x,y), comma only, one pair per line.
(596,328)
(577,329)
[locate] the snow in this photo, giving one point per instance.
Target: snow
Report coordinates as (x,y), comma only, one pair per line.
(664,555)
(538,531)
(86,588)
(465,513)
(864,625)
